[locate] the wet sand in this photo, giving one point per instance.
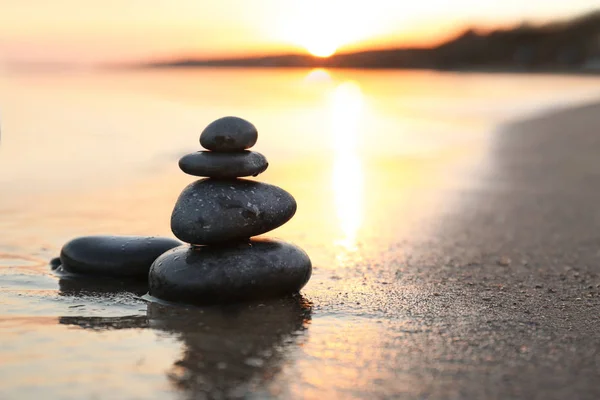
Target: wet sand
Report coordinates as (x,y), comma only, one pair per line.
(470,285)
(517,268)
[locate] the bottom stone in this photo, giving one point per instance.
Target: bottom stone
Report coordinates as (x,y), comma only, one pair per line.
(258,269)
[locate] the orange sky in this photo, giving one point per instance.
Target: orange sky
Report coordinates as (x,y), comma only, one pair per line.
(126,30)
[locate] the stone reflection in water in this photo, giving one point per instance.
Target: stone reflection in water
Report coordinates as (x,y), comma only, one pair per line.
(228,351)
(234,350)
(103,323)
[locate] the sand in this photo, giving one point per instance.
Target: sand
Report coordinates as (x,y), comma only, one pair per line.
(519,265)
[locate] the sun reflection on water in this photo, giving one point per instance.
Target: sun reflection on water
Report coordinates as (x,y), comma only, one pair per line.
(318,75)
(347,109)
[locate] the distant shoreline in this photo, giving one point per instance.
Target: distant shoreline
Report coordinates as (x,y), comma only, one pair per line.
(545,71)
(571,46)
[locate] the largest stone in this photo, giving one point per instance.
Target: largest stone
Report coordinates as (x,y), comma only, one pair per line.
(242,271)
(211,211)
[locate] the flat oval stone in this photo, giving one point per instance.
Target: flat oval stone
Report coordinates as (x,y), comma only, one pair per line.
(258,269)
(116,256)
(223,165)
(229,134)
(211,211)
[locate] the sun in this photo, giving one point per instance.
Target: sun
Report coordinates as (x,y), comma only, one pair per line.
(324,27)
(322,49)
(319,42)
(317,27)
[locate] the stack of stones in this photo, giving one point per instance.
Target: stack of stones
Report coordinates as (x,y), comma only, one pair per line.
(218,217)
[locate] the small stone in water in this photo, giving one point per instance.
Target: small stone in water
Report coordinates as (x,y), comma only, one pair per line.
(115,256)
(55,263)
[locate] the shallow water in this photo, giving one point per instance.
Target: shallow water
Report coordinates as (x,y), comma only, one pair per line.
(374,159)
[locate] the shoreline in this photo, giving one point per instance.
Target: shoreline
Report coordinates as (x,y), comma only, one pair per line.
(517,71)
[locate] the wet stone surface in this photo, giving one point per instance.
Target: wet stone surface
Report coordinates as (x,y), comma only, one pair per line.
(114,256)
(55,263)
(211,211)
(223,165)
(229,134)
(257,269)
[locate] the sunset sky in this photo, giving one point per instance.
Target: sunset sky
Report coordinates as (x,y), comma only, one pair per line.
(126,30)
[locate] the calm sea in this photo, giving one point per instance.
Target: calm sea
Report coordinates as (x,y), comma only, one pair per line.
(65,130)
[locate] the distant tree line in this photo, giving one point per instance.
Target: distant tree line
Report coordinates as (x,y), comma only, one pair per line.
(566,45)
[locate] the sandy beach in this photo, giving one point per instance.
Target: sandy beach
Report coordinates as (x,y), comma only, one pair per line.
(518,266)
(468,271)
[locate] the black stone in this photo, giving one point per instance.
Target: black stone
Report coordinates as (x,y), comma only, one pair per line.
(223,165)
(229,134)
(55,263)
(115,256)
(243,271)
(211,211)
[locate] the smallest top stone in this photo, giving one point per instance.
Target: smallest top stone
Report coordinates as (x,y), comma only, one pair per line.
(229,134)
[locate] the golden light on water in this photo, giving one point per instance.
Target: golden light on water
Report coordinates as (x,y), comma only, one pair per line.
(318,75)
(347,107)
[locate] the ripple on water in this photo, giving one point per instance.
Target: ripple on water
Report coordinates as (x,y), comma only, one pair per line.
(24,273)
(16,260)
(28,287)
